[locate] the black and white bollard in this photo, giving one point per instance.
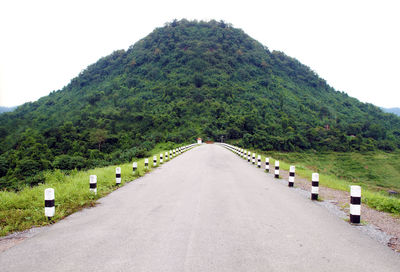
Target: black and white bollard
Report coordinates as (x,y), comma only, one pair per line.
(244,154)
(118,176)
(314,186)
(154,161)
(161,158)
(170,154)
(276,169)
(267,164)
(248,156)
(254,158)
(259,161)
(166,156)
(134,167)
(93,184)
(355,204)
(292,171)
(146,163)
(49,203)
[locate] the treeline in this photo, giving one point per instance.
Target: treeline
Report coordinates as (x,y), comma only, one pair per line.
(185,80)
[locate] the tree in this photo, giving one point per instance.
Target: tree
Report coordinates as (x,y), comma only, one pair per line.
(98,136)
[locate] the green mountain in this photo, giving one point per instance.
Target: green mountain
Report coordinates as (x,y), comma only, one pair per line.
(184,80)
(392,110)
(6,109)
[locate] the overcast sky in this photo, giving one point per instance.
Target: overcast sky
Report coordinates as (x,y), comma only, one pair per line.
(354,45)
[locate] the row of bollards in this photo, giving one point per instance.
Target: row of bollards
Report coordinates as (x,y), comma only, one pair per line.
(355,191)
(49,196)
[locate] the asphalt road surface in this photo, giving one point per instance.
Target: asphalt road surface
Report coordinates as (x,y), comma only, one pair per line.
(206,210)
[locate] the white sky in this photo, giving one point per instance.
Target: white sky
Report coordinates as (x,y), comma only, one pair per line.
(354,45)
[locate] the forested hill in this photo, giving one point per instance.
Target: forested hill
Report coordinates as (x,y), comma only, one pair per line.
(184,80)
(392,110)
(6,109)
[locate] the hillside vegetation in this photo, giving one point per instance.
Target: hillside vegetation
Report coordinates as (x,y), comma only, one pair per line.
(184,80)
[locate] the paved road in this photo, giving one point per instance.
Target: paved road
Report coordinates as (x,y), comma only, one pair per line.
(207,210)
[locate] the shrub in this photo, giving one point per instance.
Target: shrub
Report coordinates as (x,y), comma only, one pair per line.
(66,162)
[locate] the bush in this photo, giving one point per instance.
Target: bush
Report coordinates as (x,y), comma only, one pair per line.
(382,203)
(66,162)
(27,167)
(386,145)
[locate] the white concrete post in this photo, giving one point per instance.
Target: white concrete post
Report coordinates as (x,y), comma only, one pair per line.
(276,169)
(93,184)
(49,203)
(355,204)
(118,175)
(314,186)
(292,171)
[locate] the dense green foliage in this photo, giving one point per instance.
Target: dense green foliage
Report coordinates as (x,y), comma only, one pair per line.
(184,80)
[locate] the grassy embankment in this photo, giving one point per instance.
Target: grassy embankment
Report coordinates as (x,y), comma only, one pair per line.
(376,172)
(25,209)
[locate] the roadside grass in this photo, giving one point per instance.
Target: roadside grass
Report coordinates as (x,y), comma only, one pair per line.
(376,172)
(25,209)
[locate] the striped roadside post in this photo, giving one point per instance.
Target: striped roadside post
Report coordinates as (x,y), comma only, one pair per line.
(291,175)
(154,161)
(244,154)
(267,164)
(170,154)
(314,186)
(259,161)
(118,175)
(173,150)
(146,163)
(166,156)
(248,156)
(93,184)
(355,204)
(134,167)
(254,158)
(49,203)
(276,169)
(161,158)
